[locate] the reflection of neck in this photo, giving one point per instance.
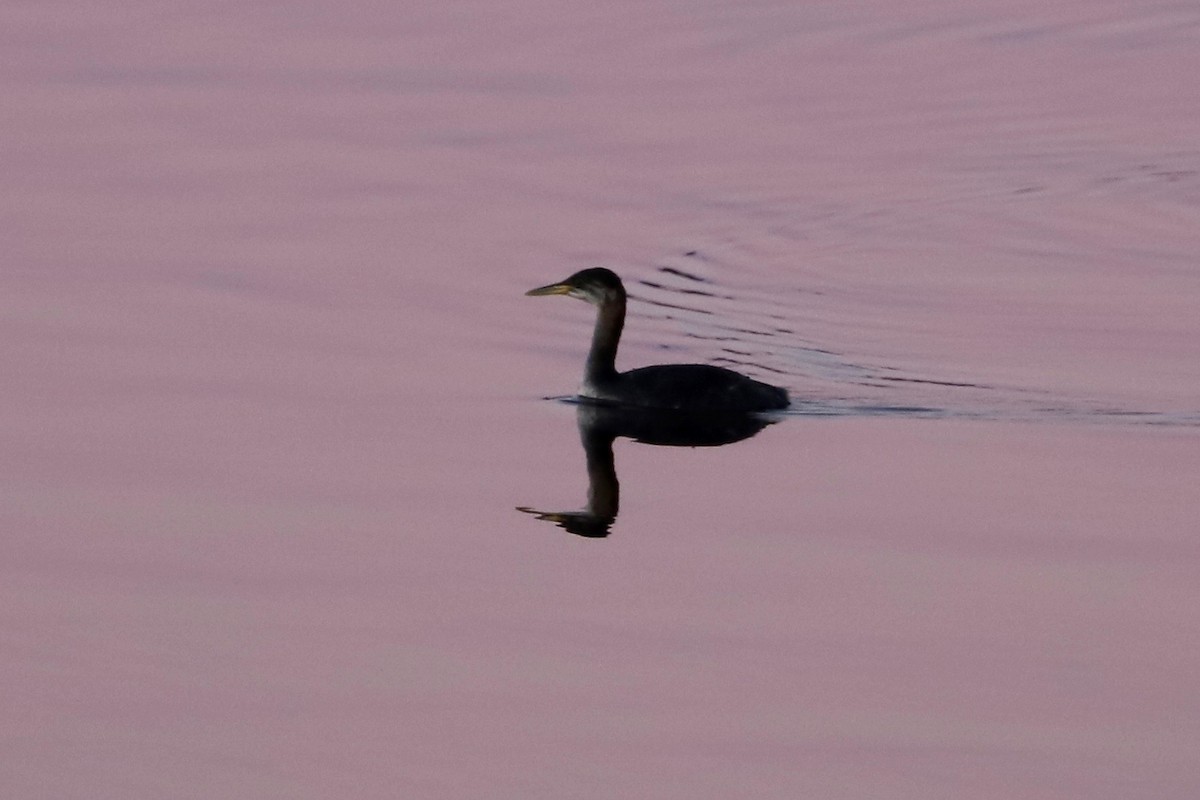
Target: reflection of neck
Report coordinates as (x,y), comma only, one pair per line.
(604,491)
(602,359)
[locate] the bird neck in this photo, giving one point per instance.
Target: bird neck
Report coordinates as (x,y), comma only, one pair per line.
(602,359)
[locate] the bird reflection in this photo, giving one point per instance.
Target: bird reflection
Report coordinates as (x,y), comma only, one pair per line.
(599,427)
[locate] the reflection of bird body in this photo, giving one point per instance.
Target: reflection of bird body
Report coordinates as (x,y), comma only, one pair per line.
(600,425)
(685,387)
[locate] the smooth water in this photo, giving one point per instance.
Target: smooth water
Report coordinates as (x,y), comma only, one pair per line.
(286,467)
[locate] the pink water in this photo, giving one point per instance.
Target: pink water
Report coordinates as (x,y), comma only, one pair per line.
(272,395)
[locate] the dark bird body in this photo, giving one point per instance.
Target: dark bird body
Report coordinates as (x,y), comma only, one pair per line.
(682,387)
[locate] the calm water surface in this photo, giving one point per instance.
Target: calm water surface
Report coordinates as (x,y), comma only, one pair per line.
(273,398)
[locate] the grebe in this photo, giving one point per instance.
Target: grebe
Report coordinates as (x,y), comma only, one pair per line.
(683,387)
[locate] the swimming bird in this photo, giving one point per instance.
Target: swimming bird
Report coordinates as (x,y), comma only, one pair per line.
(683,387)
